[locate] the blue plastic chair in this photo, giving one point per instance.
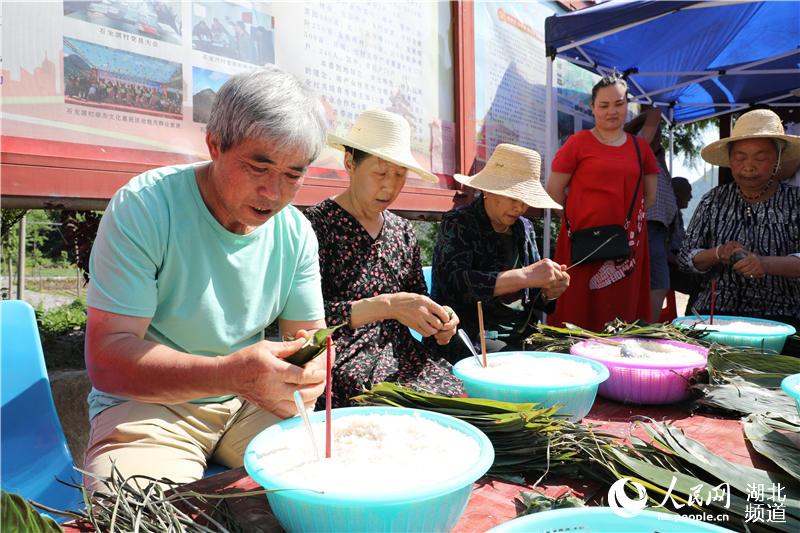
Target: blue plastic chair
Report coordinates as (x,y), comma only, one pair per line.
(33,448)
(426,272)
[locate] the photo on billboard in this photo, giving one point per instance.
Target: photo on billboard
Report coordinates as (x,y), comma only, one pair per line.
(156,20)
(205,86)
(566,127)
(102,77)
(235,31)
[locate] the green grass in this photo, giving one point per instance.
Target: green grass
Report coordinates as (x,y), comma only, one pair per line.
(55,322)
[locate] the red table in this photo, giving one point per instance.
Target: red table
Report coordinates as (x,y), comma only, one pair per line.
(493,501)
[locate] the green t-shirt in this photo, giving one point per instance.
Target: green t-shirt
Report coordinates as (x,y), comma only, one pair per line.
(160,254)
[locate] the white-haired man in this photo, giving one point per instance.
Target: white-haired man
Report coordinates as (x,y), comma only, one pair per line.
(190,264)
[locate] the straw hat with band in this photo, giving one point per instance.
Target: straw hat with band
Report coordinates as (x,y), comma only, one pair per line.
(757,124)
(512,171)
(385,135)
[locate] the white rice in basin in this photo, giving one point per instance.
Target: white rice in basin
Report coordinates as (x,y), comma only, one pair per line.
(642,350)
(370,454)
(519,369)
(735,326)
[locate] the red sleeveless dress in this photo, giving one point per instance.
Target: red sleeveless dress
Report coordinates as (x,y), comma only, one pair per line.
(600,192)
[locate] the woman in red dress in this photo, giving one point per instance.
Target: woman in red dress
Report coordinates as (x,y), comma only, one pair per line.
(595,176)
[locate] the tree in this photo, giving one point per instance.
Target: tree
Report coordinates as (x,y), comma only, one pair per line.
(687,138)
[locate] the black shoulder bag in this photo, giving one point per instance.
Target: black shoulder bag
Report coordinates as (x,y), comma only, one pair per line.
(601,243)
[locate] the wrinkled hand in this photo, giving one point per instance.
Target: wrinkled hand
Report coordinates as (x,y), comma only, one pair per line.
(727,250)
(557,288)
(751,266)
(269,381)
(418,312)
(546,274)
(448,329)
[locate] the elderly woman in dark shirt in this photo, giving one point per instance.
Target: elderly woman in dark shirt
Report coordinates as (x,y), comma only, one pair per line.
(487,252)
(746,234)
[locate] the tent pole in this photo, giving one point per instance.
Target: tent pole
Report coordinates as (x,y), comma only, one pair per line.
(671,138)
(550,129)
(550,121)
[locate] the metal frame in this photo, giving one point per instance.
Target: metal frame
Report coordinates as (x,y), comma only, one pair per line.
(741,70)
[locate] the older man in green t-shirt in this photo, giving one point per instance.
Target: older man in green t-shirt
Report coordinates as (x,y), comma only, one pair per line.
(190,264)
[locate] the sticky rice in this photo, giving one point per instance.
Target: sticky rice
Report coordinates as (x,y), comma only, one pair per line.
(524,370)
(370,453)
(641,349)
(735,326)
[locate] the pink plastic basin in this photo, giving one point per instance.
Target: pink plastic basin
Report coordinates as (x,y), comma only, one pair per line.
(645,380)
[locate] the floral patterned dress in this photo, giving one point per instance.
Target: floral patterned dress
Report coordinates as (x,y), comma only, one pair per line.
(356,266)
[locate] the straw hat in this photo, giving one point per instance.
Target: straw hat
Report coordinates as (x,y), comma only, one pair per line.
(512,171)
(383,134)
(757,124)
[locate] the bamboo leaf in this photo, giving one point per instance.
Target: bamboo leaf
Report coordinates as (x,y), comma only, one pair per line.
(738,476)
(741,398)
(773,444)
(313,347)
(19,515)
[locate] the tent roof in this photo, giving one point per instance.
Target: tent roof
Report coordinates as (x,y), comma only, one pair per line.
(693,59)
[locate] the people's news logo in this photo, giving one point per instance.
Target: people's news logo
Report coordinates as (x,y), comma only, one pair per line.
(701,495)
(619,501)
(765,504)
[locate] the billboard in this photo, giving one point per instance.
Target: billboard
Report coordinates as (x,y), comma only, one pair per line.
(122,85)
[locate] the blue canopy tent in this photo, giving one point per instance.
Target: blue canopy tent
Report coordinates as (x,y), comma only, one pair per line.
(692,59)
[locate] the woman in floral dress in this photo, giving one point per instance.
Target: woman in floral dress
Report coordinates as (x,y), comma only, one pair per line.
(371,273)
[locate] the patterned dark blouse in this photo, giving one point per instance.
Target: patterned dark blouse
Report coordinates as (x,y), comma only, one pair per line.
(467,259)
(769,228)
(356,266)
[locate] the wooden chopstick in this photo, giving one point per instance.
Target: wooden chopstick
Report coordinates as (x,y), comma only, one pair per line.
(482,334)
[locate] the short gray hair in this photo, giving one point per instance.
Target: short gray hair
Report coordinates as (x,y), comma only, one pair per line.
(268,103)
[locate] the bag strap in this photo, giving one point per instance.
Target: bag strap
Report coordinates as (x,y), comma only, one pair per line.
(635,192)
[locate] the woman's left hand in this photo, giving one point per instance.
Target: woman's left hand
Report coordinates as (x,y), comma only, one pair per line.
(751,266)
(448,328)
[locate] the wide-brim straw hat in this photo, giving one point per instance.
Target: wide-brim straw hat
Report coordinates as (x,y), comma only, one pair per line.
(385,135)
(757,124)
(512,171)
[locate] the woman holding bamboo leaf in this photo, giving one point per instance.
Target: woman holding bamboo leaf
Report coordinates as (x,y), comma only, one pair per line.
(746,234)
(487,252)
(371,272)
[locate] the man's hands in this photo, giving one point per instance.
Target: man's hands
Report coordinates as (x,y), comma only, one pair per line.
(422,314)
(269,382)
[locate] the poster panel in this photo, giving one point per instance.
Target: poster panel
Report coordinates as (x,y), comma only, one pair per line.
(511,77)
(134,81)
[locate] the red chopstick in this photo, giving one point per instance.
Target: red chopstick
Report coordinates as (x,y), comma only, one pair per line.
(713,297)
(328,397)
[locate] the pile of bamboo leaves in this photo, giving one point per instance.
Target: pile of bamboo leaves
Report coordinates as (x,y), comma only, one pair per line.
(141,503)
(526,438)
(740,380)
(537,442)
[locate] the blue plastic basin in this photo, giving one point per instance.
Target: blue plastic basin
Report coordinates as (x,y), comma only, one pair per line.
(766,342)
(432,508)
(576,398)
(791,384)
(602,520)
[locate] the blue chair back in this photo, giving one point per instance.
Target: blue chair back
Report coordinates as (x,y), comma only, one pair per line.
(33,449)
(426,273)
